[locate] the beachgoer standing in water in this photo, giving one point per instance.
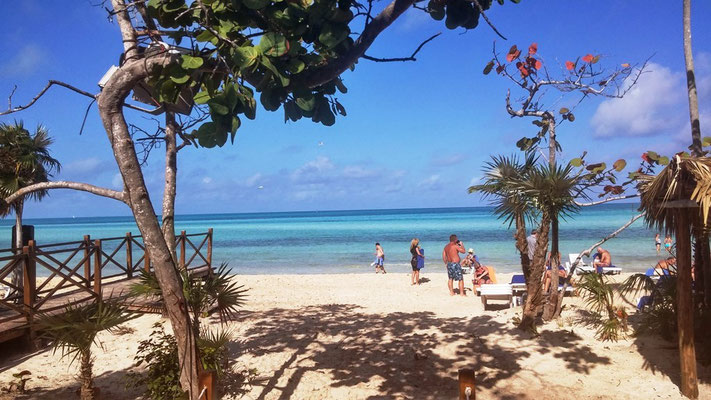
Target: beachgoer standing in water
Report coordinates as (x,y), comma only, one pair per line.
(418,260)
(668,243)
(658,243)
(379,259)
(450,256)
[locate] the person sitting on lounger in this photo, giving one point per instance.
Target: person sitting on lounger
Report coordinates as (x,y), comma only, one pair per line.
(664,267)
(603,260)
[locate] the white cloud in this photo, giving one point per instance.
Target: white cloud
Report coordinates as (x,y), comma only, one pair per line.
(206,180)
(446,160)
(432,182)
(358,172)
(313,171)
(25,62)
(649,108)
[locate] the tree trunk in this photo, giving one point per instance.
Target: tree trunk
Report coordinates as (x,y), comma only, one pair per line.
(522,246)
(550,307)
(685,310)
(17,279)
(696,148)
(87,391)
(170,189)
(703,271)
(551,142)
(110,106)
(533,284)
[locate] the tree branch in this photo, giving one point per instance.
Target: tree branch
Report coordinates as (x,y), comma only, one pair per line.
(85,187)
(481,11)
(607,200)
(51,83)
(411,58)
(587,251)
(334,68)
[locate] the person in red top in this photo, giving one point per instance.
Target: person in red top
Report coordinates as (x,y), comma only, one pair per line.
(450,256)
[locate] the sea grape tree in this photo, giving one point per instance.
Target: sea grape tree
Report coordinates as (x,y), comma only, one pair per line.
(226,55)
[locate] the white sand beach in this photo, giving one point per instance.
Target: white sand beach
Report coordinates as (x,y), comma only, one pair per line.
(367,336)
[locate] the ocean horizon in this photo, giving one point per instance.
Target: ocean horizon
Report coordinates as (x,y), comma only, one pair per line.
(343,241)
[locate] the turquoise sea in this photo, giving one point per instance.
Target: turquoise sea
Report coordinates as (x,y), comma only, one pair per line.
(343,241)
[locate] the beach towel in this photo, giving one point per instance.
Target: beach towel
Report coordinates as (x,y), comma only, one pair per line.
(421,259)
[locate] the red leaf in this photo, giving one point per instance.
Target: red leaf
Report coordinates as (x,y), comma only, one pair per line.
(512,56)
(588,58)
(523,69)
(646,158)
(625,65)
(539,64)
(569,65)
(532,49)
(499,69)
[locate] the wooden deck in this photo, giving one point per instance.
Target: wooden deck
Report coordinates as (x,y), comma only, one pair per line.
(82,271)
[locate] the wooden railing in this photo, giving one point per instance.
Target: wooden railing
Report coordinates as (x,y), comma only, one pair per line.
(74,272)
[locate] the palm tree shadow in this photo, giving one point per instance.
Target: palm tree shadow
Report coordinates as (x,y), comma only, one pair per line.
(396,353)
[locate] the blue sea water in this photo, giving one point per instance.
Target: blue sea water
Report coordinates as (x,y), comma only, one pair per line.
(343,241)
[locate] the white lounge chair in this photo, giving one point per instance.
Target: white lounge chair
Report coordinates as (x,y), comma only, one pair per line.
(493,291)
(585,268)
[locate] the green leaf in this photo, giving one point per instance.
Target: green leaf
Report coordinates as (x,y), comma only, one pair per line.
(564,110)
(245,56)
(206,135)
(217,107)
(201,97)
(571,117)
(576,162)
(436,10)
(619,165)
(296,65)
(489,66)
(236,123)
(273,44)
(341,110)
(663,160)
(190,62)
(306,104)
(652,155)
(706,141)
(333,34)
(341,87)
(255,4)
(178,75)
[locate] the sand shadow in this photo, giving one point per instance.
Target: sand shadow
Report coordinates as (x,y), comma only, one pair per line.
(392,352)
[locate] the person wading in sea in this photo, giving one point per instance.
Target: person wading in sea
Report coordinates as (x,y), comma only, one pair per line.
(450,256)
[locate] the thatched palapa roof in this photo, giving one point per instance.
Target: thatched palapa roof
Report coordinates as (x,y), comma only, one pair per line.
(683,184)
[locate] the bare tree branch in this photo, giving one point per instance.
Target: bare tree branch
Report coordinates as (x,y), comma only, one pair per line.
(85,187)
(51,83)
(411,58)
(483,14)
(607,200)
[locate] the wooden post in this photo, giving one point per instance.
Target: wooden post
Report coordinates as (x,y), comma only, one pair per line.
(685,308)
(97,267)
(87,260)
(209,248)
(207,382)
(182,249)
(29,272)
(467,385)
(129,255)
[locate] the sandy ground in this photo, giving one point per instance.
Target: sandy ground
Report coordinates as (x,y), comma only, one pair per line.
(377,337)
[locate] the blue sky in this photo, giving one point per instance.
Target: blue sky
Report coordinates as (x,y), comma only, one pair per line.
(416,134)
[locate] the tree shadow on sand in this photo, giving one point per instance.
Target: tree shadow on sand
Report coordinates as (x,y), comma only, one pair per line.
(396,354)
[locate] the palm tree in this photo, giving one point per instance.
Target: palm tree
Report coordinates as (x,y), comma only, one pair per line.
(500,175)
(74,332)
(215,292)
(24,160)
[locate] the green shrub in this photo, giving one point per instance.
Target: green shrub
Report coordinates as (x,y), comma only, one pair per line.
(159,355)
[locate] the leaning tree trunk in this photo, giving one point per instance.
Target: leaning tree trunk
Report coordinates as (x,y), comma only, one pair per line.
(170,188)
(696,147)
(87,390)
(533,284)
(685,309)
(111,111)
(550,307)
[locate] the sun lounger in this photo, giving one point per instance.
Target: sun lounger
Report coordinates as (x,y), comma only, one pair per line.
(518,284)
(493,291)
(584,268)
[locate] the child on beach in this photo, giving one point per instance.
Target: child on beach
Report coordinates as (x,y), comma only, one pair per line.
(658,242)
(418,260)
(668,243)
(379,262)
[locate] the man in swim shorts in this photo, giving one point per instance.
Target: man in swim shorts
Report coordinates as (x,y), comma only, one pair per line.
(450,256)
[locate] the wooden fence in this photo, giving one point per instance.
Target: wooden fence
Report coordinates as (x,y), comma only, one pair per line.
(75,272)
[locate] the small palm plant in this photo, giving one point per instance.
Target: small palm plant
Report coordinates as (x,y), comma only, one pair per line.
(611,321)
(216,292)
(74,331)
